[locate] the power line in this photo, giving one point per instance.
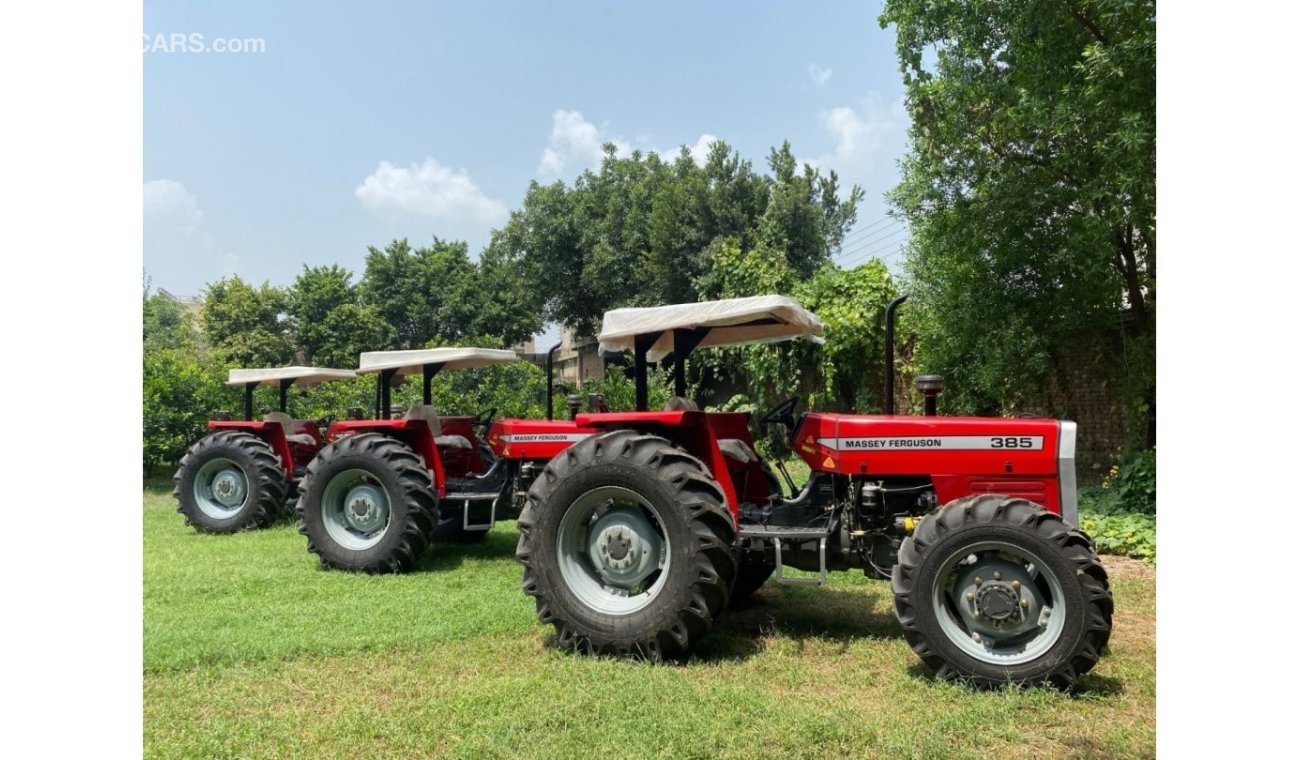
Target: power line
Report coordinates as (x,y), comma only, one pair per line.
(862,230)
(860,261)
(871,251)
(885,237)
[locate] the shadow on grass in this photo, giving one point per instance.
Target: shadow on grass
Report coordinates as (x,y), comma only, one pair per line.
(823,614)
(442,556)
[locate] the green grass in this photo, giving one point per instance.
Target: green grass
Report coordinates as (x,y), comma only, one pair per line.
(250,650)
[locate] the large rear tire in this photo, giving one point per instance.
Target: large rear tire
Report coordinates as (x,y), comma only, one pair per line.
(994,590)
(367,503)
(627,547)
(229,481)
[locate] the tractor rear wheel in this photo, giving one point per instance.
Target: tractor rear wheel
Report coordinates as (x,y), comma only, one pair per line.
(627,547)
(994,590)
(367,503)
(229,481)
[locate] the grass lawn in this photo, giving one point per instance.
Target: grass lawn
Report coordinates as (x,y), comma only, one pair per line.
(250,650)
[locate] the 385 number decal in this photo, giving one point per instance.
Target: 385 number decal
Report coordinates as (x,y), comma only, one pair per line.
(1012,442)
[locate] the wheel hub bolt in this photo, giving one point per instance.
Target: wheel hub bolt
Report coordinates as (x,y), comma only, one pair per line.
(1015,585)
(978,580)
(997,576)
(1024,604)
(970,596)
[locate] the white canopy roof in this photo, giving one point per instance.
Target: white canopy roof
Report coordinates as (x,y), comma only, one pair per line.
(407,362)
(300,375)
(731,322)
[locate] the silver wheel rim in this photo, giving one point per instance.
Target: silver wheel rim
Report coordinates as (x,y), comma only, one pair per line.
(220,488)
(355,509)
(999,603)
(614,552)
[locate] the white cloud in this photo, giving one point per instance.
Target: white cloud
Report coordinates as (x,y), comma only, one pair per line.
(819,76)
(178,247)
(429,189)
(168,204)
(575,144)
(864,138)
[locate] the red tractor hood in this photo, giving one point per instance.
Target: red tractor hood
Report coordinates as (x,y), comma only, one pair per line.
(896,444)
(534,439)
(1030,458)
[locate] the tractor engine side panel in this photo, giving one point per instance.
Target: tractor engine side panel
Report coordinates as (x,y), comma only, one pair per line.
(961,455)
(534,439)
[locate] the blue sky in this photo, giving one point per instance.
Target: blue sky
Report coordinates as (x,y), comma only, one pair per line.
(361,123)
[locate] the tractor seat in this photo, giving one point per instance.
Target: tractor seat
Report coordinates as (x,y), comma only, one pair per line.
(426,412)
(286,423)
(734,448)
(679,404)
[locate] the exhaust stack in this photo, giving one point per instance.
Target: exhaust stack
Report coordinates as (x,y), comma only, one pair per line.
(889,351)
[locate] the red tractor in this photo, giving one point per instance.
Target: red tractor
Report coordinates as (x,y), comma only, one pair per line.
(636,539)
(382,489)
(242,475)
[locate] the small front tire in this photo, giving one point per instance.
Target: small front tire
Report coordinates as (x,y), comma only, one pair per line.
(994,590)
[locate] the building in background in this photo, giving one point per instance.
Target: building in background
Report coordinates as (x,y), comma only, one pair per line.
(577,361)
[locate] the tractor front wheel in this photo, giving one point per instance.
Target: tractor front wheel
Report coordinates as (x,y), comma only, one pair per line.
(627,547)
(993,590)
(229,481)
(367,503)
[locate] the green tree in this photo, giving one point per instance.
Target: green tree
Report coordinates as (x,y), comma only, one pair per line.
(245,325)
(330,326)
(425,294)
(181,392)
(167,324)
(643,231)
(804,216)
(846,372)
(1029,188)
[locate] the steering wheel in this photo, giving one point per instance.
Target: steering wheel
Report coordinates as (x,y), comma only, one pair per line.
(782,414)
(484,419)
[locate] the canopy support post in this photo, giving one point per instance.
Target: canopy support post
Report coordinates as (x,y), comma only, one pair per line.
(642,344)
(284,395)
(248,401)
(684,342)
(386,393)
(429,371)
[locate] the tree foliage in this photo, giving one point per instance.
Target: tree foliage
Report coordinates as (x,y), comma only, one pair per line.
(329,324)
(642,231)
(843,373)
(1029,186)
(245,325)
(167,324)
